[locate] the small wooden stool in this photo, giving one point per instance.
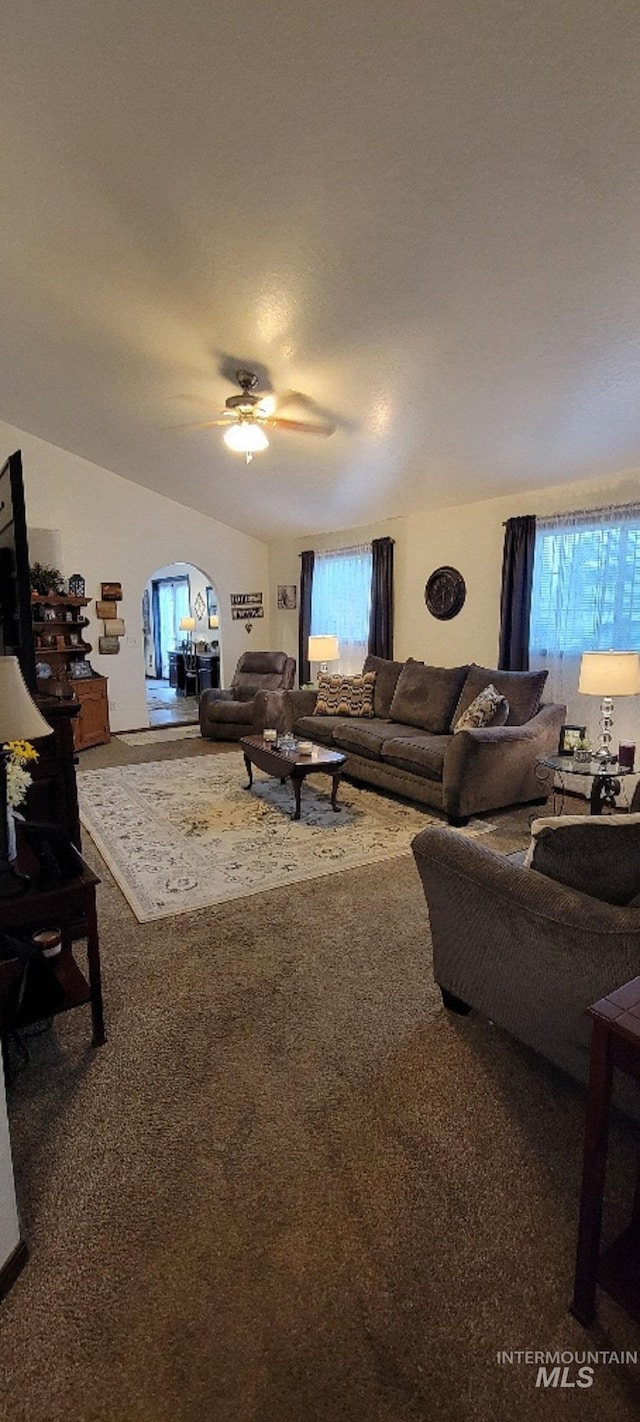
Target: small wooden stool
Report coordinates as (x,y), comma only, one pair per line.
(615,1042)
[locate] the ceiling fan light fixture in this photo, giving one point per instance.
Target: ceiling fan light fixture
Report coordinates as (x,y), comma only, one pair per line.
(246,438)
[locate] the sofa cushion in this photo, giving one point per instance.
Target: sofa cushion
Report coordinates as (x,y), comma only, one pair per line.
(386,674)
(522,690)
(425,696)
(421,755)
(367,737)
(598,855)
(345,695)
(318,728)
(487,709)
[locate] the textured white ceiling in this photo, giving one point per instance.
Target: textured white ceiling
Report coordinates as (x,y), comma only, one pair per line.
(424,215)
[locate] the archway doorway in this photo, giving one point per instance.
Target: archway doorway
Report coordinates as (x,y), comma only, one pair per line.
(180,622)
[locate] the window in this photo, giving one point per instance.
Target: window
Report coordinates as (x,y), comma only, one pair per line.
(586,584)
(585,598)
(341,603)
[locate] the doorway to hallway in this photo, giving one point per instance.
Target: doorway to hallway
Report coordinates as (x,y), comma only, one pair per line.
(181,648)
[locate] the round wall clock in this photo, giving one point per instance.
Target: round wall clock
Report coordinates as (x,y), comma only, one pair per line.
(445,593)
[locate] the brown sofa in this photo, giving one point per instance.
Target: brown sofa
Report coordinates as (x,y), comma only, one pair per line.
(242,710)
(409,746)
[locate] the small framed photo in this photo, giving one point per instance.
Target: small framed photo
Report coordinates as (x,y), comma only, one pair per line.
(74,640)
(287,596)
(49,614)
(569,737)
(69,617)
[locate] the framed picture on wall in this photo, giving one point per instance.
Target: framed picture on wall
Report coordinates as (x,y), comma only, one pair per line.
(287,596)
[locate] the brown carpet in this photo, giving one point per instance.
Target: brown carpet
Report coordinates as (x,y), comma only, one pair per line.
(290,1187)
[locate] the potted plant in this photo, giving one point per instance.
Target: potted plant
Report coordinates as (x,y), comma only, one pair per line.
(45,580)
(582,750)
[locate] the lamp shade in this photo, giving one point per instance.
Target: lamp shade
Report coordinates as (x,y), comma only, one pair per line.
(609,674)
(245,438)
(323,649)
(214,621)
(20,719)
(187,624)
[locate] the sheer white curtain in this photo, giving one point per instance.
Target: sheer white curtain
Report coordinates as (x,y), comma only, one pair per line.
(341,603)
(586,598)
(173,603)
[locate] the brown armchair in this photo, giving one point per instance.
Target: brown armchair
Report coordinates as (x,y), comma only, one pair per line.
(244,708)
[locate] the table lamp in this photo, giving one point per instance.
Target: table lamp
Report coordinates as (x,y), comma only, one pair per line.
(187,624)
(214,620)
(20,720)
(608,674)
(323,649)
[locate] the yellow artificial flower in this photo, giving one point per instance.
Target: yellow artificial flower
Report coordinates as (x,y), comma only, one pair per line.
(21,751)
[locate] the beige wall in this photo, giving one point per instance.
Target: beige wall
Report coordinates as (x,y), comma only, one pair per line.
(470,537)
(113,530)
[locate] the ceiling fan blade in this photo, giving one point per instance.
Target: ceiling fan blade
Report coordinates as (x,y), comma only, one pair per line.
(300,426)
(205,424)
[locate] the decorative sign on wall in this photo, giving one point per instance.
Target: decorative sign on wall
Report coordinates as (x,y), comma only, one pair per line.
(245,606)
(199,606)
(111,592)
(245,614)
(287,596)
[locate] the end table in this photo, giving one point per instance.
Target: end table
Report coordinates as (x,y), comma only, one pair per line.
(615,1042)
(71,907)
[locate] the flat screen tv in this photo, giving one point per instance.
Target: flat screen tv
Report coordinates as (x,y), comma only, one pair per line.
(16,627)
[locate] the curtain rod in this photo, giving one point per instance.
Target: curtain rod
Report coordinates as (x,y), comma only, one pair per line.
(582,513)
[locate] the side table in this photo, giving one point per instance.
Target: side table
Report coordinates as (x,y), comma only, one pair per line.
(71,907)
(606,779)
(615,1042)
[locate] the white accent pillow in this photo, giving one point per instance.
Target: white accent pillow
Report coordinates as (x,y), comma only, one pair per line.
(483,711)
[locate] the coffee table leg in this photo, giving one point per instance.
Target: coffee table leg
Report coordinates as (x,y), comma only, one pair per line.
(249,772)
(335,781)
(297,786)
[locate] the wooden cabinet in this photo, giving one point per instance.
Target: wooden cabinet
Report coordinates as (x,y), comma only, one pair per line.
(91,726)
(59,634)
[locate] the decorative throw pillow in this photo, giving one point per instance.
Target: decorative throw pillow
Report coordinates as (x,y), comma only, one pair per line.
(488,709)
(522,690)
(425,696)
(386,673)
(598,855)
(345,695)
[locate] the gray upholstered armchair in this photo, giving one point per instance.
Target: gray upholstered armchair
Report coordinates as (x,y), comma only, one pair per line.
(526,951)
(244,709)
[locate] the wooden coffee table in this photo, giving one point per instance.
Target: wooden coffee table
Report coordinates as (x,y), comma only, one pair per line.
(291,765)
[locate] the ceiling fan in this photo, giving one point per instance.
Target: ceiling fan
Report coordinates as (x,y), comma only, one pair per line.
(247,415)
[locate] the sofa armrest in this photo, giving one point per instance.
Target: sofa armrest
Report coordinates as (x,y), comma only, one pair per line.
(482,881)
(268,709)
(215,694)
(494,766)
(296,704)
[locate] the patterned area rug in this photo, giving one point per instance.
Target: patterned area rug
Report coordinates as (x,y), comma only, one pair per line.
(148,738)
(180,835)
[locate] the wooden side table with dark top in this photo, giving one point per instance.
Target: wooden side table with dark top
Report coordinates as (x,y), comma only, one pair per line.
(71,907)
(615,1042)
